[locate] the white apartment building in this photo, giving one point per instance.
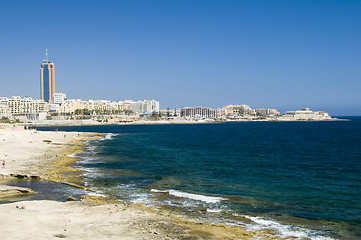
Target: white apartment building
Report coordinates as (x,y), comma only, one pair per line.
(105,106)
(149,106)
(4,108)
(58,98)
(26,108)
(199,112)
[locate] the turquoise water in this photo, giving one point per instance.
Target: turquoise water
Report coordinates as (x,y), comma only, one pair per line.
(300,179)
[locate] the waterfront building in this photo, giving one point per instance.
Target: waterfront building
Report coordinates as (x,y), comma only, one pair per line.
(139,107)
(109,107)
(305,114)
(238,110)
(266,112)
(172,113)
(134,106)
(22,108)
(148,106)
(199,113)
(47,80)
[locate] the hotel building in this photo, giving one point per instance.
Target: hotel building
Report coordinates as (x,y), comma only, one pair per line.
(47,80)
(305,114)
(199,112)
(238,110)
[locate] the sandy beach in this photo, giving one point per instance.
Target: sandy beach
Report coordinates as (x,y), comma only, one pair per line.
(30,154)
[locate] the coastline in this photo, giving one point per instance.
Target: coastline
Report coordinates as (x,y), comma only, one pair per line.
(89,122)
(45,156)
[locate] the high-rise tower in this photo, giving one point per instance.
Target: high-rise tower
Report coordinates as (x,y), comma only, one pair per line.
(47,79)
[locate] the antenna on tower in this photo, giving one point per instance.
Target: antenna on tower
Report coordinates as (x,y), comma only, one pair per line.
(46,55)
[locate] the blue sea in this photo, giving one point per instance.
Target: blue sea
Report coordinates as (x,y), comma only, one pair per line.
(291,179)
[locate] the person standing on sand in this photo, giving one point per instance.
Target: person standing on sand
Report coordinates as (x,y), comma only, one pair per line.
(3,163)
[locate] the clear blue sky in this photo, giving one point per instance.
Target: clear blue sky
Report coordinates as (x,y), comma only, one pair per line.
(276,54)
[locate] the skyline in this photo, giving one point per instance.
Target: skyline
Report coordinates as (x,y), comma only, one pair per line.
(283,55)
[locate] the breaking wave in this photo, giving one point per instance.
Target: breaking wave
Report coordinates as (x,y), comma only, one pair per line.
(192,196)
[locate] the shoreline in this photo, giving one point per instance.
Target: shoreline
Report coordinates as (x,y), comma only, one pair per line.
(70,123)
(141,221)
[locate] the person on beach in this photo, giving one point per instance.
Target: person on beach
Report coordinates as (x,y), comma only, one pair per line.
(3,163)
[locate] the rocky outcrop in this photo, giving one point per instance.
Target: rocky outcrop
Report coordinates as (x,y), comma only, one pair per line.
(20,176)
(10,191)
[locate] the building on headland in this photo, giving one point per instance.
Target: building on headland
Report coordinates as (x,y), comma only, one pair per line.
(305,114)
(229,112)
(47,80)
(245,110)
(199,113)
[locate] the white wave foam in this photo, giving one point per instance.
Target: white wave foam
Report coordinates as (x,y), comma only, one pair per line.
(90,147)
(87,159)
(72,155)
(97,194)
(197,197)
(158,191)
(214,210)
(140,198)
(285,231)
(108,136)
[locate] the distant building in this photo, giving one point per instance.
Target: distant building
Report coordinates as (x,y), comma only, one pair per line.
(70,105)
(4,108)
(47,80)
(25,108)
(305,114)
(170,113)
(110,107)
(58,98)
(267,112)
(148,106)
(199,112)
(53,107)
(238,110)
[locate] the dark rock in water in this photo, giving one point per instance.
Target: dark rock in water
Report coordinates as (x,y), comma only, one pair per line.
(71,198)
(22,176)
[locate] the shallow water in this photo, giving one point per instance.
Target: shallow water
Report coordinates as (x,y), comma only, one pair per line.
(44,190)
(299,179)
